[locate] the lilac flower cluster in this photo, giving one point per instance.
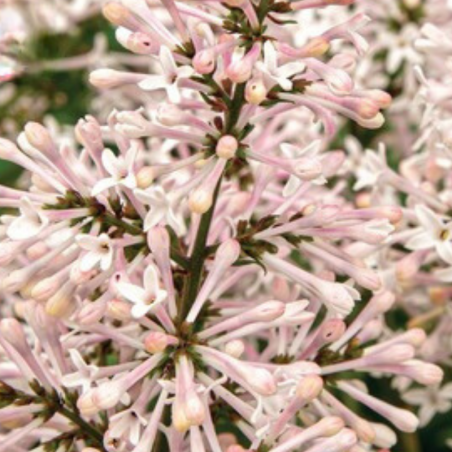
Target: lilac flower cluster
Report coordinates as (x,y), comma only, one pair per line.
(198,273)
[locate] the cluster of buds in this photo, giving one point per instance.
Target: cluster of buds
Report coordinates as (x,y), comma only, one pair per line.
(193,274)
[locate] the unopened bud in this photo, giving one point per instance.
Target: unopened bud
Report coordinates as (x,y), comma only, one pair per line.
(62,304)
(156,342)
(145,177)
(86,405)
(255,91)
(235,348)
(227,147)
(119,310)
(39,137)
(200,201)
(204,61)
(309,387)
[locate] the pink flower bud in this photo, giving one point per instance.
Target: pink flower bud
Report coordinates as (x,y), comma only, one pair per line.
(235,348)
(119,310)
(309,387)
(145,177)
(119,15)
(8,150)
(423,373)
(239,71)
(255,91)
(45,288)
(227,147)
(200,201)
(204,61)
(86,404)
(170,115)
(109,78)
(37,250)
(91,313)
(108,394)
(62,304)
(139,43)
(12,331)
(156,342)
(39,137)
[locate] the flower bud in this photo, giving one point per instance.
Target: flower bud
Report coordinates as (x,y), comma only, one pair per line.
(145,177)
(8,149)
(119,310)
(91,313)
(204,61)
(107,395)
(139,43)
(156,342)
(179,419)
(330,426)
(62,304)
(234,348)
(255,91)
(109,78)
(200,201)
(316,47)
(227,147)
(266,312)
(373,123)
(119,15)
(423,373)
(39,137)
(86,405)
(236,448)
(309,387)
(37,250)
(12,331)
(170,115)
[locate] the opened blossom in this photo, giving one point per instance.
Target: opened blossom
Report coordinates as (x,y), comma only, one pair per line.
(206,269)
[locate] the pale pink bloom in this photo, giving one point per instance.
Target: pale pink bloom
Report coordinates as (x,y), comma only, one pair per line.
(431,401)
(144,298)
(99,251)
(84,375)
(434,234)
(169,80)
(121,170)
(162,209)
(30,222)
(274,74)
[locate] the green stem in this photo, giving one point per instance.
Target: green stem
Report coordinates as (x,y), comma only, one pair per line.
(198,257)
(86,428)
(236,108)
(113,221)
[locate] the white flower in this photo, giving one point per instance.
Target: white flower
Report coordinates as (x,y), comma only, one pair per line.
(85,374)
(144,299)
(127,424)
(277,75)
(310,152)
(120,168)
(372,167)
(434,234)
(100,251)
(28,224)
(431,400)
(161,209)
(170,78)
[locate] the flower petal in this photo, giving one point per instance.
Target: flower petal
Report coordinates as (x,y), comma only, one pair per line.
(131,292)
